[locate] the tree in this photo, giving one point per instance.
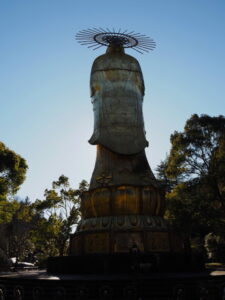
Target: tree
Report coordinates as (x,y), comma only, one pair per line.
(196,164)
(215,247)
(12,174)
(199,150)
(16,231)
(18,221)
(166,182)
(12,171)
(62,208)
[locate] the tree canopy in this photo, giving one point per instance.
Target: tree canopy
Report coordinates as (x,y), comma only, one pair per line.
(35,231)
(194,175)
(199,149)
(61,207)
(12,171)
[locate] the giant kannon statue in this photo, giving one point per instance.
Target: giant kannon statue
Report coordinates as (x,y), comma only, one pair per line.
(123,209)
(122,248)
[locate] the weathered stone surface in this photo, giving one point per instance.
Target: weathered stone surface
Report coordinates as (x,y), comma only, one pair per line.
(124,233)
(112,169)
(123,200)
(124,207)
(117,90)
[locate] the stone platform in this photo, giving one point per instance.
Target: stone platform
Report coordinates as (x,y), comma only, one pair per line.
(39,285)
(124,263)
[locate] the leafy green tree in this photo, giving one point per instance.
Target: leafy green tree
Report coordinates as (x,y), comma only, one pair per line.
(195,174)
(17,231)
(166,182)
(12,171)
(12,174)
(215,247)
(18,220)
(7,209)
(45,237)
(199,151)
(62,208)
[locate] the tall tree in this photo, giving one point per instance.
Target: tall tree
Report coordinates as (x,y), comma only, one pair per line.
(196,163)
(18,219)
(199,152)
(12,174)
(12,171)
(16,232)
(62,206)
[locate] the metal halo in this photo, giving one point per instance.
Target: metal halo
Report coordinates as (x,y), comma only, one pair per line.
(98,37)
(115,38)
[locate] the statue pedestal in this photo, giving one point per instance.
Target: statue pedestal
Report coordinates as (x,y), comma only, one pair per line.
(124,263)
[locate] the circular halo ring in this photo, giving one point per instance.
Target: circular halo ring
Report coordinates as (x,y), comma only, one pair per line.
(107,38)
(97,37)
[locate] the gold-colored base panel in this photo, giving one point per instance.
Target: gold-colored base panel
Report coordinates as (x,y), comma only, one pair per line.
(147,234)
(125,242)
(123,200)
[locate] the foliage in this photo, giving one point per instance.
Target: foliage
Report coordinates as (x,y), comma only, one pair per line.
(194,173)
(16,228)
(215,247)
(61,207)
(40,229)
(34,231)
(166,182)
(12,171)
(199,151)
(12,174)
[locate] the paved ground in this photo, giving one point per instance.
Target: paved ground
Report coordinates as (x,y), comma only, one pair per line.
(42,274)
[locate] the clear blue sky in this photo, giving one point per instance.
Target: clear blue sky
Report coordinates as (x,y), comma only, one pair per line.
(45,107)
